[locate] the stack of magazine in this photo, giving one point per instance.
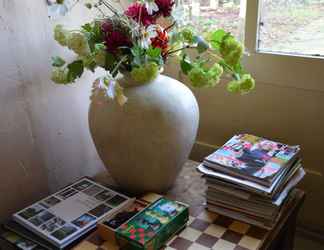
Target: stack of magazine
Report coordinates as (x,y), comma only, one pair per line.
(252,179)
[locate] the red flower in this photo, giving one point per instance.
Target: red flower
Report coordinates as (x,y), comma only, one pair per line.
(139,13)
(114,39)
(165,7)
(161,41)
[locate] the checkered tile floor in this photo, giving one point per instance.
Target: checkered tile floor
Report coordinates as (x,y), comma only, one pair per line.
(208,230)
(205,230)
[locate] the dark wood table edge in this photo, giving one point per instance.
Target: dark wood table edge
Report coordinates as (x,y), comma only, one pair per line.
(282,237)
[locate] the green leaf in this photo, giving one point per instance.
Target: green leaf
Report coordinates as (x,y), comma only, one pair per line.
(93,33)
(75,70)
(99,46)
(202,45)
(185,65)
(238,69)
(137,51)
(153,52)
(217,37)
(87,27)
(138,54)
(97,29)
(227,68)
(92,66)
(57,61)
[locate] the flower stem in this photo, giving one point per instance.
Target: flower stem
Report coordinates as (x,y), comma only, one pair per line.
(110,7)
(170,26)
(175,51)
(225,65)
(100,10)
(118,65)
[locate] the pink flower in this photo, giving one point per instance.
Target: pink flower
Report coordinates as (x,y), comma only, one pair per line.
(139,13)
(165,7)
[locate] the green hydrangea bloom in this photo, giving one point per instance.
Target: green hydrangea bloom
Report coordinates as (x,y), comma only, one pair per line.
(78,43)
(60,35)
(243,86)
(145,73)
(215,72)
(188,35)
(247,83)
(231,50)
(201,77)
(233,86)
(60,75)
(234,57)
(198,77)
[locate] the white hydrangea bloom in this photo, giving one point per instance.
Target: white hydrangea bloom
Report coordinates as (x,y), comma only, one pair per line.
(60,34)
(78,43)
(60,75)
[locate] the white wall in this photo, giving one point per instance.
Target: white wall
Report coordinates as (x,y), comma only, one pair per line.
(44,137)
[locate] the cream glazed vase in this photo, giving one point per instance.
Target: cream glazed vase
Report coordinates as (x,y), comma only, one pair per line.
(145,142)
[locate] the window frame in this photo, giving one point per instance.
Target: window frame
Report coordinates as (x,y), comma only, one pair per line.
(297,71)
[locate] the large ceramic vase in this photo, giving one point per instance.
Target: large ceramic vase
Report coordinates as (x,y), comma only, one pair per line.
(145,142)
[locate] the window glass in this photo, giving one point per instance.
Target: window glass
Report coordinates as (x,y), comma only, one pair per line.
(206,15)
(292,27)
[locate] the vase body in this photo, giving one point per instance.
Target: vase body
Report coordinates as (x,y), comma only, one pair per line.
(145,142)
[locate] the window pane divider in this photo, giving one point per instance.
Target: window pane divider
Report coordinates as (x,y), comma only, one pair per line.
(251,25)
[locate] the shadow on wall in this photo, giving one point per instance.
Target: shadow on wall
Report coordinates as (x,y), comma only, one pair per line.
(44,136)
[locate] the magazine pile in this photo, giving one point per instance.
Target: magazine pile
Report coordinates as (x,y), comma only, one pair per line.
(65,216)
(252,179)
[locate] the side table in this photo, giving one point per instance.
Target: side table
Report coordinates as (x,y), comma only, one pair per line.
(208,230)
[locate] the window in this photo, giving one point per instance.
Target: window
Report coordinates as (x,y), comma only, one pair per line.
(291,27)
(211,14)
(251,20)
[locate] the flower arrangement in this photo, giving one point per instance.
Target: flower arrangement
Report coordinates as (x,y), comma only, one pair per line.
(134,42)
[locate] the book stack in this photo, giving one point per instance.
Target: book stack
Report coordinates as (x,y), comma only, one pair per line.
(252,179)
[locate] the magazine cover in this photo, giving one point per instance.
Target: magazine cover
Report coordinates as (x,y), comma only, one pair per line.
(71,212)
(253,156)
